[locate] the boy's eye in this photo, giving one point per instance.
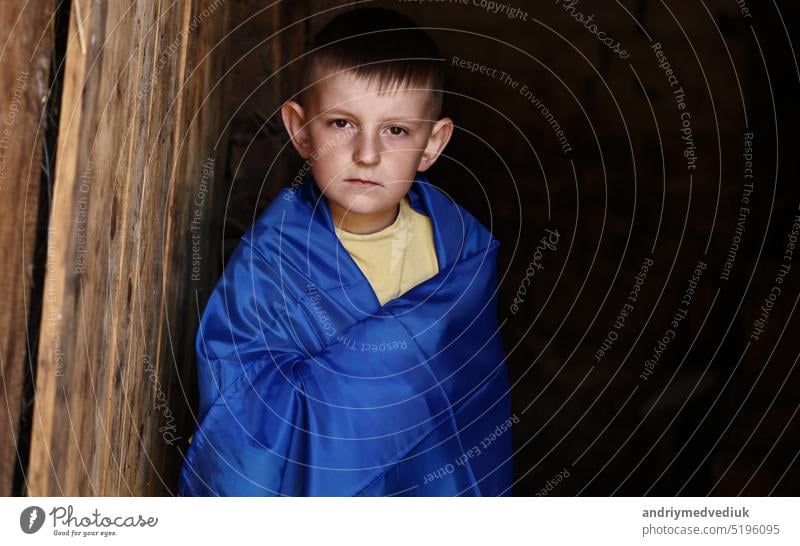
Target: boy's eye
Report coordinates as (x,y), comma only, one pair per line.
(339,123)
(397,131)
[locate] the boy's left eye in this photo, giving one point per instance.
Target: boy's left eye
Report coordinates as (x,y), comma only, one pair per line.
(397,131)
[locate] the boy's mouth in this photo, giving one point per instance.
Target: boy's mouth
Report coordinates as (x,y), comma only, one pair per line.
(362,182)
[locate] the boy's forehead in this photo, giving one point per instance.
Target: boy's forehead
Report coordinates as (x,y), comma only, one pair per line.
(346,91)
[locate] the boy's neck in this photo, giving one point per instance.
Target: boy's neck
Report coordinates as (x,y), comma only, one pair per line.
(362,224)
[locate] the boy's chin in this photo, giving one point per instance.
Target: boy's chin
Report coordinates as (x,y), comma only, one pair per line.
(364,205)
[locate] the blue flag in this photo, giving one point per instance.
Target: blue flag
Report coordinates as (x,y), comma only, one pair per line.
(308,386)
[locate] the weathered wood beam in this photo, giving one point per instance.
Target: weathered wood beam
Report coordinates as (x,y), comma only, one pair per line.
(134,180)
(25,53)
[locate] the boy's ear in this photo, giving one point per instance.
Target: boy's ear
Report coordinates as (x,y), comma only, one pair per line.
(440,136)
(294,119)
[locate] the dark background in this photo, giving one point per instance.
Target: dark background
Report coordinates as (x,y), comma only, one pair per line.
(719,414)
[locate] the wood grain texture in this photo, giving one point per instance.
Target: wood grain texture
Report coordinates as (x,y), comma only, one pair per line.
(25,53)
(134,186)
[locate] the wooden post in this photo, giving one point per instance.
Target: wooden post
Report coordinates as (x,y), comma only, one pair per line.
(128,237)
(25,55)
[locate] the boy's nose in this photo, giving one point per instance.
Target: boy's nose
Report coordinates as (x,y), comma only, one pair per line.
(366,149)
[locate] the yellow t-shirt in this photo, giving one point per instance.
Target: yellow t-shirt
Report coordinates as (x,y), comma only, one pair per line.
(396,258)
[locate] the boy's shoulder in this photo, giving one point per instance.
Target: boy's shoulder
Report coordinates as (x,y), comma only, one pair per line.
(286,217)
(456,228)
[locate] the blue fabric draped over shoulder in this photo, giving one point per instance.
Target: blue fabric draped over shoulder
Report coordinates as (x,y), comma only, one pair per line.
(308,386)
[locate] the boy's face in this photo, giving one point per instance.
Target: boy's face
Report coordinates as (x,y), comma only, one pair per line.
(365,147)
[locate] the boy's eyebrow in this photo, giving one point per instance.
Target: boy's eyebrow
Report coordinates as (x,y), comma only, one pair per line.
(394,117)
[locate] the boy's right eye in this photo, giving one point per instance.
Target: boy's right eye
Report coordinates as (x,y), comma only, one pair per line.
(339,123)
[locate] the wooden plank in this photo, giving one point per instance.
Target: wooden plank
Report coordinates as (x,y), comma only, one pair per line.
(139,122)
(25,54)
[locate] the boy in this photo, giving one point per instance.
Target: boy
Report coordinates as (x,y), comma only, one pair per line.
(352,345)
